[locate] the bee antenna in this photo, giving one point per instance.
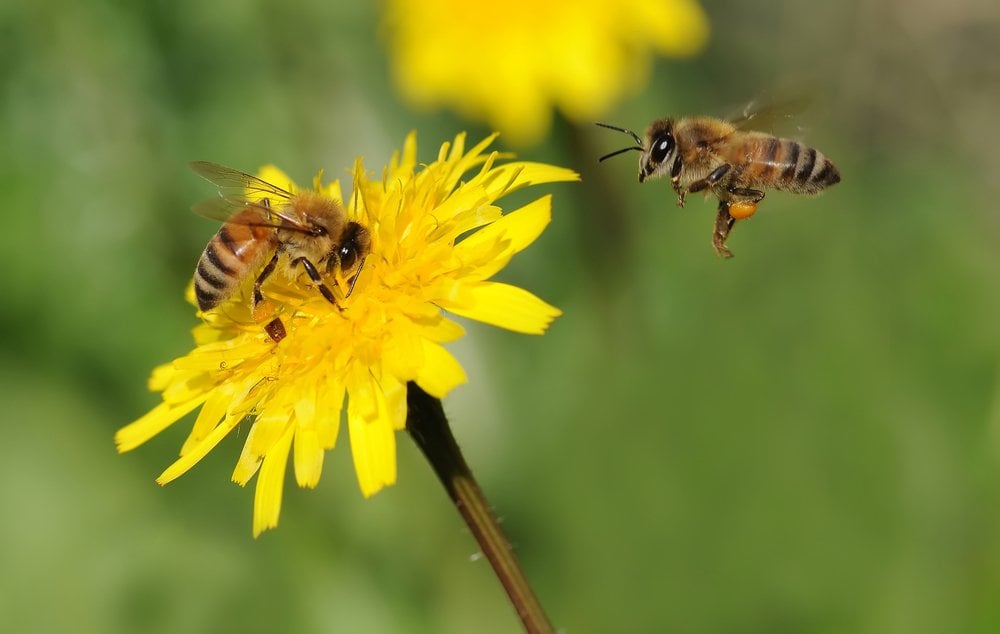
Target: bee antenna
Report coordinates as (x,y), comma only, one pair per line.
(621,151)
(628,132)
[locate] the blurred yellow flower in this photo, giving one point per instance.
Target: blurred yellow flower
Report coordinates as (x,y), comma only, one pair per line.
(509,63)
(435,242)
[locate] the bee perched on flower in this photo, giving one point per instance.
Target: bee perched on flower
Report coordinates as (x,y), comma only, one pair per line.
(351,333)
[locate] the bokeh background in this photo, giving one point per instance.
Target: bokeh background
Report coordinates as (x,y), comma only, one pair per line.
(805,438)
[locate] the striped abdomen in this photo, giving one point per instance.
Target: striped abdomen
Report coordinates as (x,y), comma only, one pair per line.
(231,254)
(770,162)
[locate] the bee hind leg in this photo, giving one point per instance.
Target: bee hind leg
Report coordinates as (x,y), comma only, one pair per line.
(723,225)
(258,297)
(730,210)
(745,202)
(755,195)
(317,279)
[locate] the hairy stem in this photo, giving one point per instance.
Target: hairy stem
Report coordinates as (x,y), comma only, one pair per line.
(429,428)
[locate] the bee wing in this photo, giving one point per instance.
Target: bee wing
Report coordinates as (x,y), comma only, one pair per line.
(768,116)
(224,208)
(235,183)
(238,191)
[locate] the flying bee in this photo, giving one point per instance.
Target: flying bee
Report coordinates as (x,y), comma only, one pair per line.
(284,229)
(733,163)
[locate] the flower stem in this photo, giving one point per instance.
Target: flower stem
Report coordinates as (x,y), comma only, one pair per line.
(429,428)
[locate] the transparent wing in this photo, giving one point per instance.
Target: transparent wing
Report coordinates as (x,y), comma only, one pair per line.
(766,115)
(239,191)
(224,210)
(235,183)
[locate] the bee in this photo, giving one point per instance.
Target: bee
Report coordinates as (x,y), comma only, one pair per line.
(278,229)
(723,158)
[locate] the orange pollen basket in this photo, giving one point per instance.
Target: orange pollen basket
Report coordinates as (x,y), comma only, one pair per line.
(742,209)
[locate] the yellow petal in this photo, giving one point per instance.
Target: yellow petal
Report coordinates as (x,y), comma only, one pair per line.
(248,462)
(305,401)
(394,398)
(208,418)
(308,457)
(270,484)
(196,452)
(440,372)
(269,428)
(463,213)
(402,355)
(156,420)
(502,305)
(441,329)
(513,176)
(521,227)
(675,28)
(193,385)
(331,189)
(361,397)
(494,245)
(408,159)
(329,403)
(223,355)
(373,443)
(461,164)
(161,377)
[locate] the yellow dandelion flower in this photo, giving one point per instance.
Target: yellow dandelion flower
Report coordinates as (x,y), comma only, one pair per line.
(509,63)
(436,241)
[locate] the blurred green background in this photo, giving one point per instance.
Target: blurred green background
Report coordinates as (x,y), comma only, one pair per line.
(801,439)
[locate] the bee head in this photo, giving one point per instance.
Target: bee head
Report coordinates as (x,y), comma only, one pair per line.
(354,247)
(659,151)
(355,244)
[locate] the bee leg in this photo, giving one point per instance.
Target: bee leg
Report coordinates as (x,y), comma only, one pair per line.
(317,279)
(711,180)
(755,195)
(675,181)
(258,297)
(723,224)
(266,204)
(354,280)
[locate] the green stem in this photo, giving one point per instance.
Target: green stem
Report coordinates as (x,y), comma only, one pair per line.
(429,428)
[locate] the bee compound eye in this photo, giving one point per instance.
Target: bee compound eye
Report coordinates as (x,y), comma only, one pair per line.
(662,146)
(347,256)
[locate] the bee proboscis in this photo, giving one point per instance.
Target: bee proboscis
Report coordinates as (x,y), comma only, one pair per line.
(274,230)
(735,164)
